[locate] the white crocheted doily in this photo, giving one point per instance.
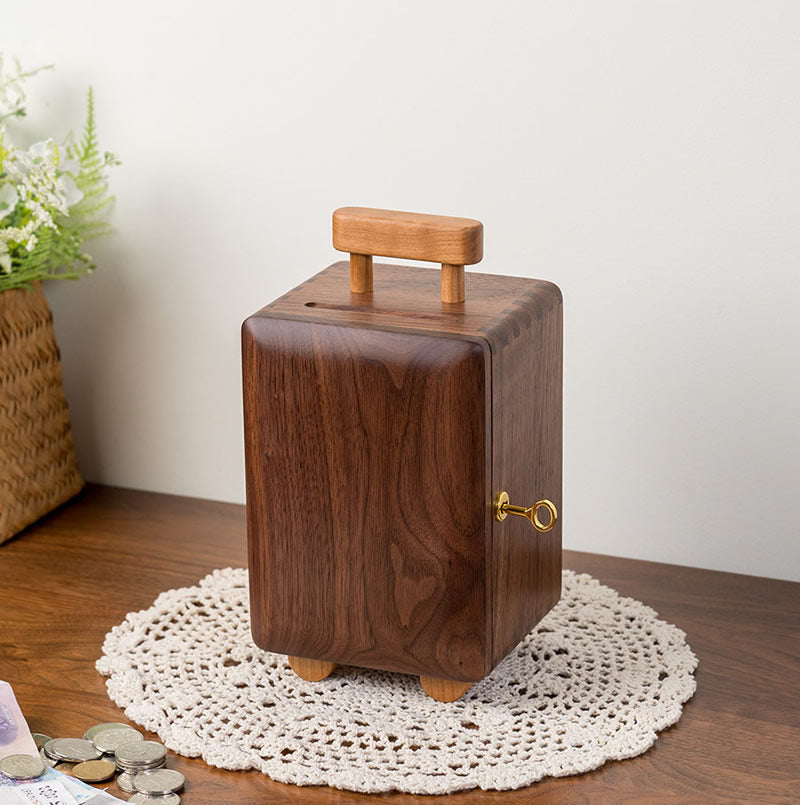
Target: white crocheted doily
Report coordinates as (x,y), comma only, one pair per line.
(594,681)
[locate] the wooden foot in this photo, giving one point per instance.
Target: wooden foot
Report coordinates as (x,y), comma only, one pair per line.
(311,670)
(444,690)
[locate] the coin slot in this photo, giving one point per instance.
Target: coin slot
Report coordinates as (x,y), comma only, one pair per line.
(407,314)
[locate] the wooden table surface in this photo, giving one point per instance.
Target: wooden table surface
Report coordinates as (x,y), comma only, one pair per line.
(65,582)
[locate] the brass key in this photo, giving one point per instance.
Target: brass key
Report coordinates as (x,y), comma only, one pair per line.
(502,508)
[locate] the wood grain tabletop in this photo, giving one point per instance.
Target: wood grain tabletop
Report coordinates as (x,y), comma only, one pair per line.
(66,581)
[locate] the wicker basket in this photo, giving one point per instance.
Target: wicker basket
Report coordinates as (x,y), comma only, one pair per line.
(38,470)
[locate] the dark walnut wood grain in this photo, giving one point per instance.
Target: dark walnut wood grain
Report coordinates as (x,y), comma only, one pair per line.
(366,487)
(408,297)
(736,741)
(526,462)
(378,429)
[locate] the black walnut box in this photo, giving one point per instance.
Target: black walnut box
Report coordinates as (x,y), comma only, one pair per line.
(390,424)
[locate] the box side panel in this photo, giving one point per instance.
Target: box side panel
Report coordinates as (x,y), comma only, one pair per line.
(527,457)
(367,483)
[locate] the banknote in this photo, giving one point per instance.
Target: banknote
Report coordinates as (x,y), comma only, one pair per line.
(75,791)
(38,793)
(15,737)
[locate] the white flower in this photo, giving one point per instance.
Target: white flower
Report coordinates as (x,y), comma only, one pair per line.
(72,194)
(8,200)
(38,190)
(42,150)
(5,259)
(71,166)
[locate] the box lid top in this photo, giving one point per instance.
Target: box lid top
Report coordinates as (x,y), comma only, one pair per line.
(407,297)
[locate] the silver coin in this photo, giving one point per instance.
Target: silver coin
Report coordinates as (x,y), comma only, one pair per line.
(46,759)
(159,781)
(73,750)
(142,763)
(40,739)
(22,767)
(159,764)
(134,770)
(125,782)
(146,799)
(153,764)
(109,725)
(109,740)
(140,753)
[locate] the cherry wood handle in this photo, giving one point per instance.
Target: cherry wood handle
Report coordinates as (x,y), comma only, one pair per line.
(364,232)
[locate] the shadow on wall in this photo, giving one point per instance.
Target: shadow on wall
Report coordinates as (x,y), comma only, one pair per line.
(91,323)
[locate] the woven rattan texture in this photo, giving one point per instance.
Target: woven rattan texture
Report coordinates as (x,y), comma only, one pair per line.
(38,470)
(598,678)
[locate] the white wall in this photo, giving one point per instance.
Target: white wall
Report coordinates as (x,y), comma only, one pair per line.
(643,155)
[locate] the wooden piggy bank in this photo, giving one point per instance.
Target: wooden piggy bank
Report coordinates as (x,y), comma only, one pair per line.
(394,426)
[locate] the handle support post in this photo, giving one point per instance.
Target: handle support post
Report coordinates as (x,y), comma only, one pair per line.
(360,273)
(452,283)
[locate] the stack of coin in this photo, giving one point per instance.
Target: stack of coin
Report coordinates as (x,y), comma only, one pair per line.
(136,756)
(104,750)
(159,782)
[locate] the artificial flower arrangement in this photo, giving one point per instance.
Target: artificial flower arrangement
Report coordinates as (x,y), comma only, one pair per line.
(52,197)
